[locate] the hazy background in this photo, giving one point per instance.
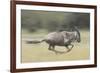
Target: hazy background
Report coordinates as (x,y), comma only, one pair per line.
(37,24)
(33,21)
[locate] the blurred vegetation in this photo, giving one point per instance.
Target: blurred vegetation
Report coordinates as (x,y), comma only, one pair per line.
(33,20)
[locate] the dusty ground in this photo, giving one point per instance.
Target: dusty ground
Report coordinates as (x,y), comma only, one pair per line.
(40,52)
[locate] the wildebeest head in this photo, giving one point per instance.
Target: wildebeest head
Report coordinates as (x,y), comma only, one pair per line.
(78,36)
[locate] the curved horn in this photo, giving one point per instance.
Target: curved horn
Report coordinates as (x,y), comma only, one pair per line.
(78,34)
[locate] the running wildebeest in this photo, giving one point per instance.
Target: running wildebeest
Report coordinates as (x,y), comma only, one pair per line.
(60,38)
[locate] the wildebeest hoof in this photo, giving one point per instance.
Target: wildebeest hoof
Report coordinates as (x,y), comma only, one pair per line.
(59,52)
(69,50)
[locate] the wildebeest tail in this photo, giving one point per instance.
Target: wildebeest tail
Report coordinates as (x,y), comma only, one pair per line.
(34,41)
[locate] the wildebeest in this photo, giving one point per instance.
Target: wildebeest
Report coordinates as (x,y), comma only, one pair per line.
(60,38)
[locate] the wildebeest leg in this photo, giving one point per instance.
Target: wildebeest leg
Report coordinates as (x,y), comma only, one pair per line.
(69,48)
(53,49)
(56,52)
(50,47)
